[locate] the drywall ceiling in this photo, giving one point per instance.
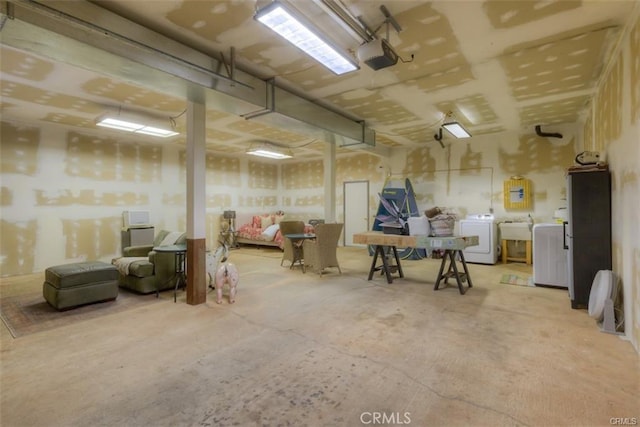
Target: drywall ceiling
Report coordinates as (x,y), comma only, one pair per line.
(495,65)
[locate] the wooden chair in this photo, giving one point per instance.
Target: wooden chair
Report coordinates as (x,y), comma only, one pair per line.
(321,253)
(290,227)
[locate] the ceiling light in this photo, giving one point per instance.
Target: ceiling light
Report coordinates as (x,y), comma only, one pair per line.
(133,124)
(296,30)
(456,129)
(269,151)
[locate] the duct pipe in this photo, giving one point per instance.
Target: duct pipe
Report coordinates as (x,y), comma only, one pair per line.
(546,134)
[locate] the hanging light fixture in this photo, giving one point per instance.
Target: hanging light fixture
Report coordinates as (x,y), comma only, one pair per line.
(135,123)
(453,127)
(298,31)
(456,129)
(271,151)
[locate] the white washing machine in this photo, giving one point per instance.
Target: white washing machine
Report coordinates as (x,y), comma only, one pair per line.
(486,228)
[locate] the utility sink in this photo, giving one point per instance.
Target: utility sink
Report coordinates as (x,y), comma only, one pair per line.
(515,230)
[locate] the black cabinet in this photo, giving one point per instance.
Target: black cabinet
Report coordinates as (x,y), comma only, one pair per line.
(588,232)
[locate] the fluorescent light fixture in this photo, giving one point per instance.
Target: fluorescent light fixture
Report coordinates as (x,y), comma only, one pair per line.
(294,29)
(114,121)
(268,151)
(456,129)
(261,152)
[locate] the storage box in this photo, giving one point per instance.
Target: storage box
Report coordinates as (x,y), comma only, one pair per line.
(442,225)
(418,225)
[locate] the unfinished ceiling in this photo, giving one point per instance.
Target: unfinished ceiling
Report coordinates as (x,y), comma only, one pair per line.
(494,65)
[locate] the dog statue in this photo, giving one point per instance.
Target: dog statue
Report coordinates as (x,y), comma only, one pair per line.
(213,259)
(226,273)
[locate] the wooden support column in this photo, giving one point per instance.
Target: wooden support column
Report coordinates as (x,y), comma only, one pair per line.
(196,204)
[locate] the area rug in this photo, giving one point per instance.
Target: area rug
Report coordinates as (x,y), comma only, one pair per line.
(28,313)
(514,279)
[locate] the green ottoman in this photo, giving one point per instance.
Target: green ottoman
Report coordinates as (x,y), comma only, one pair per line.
(71,285)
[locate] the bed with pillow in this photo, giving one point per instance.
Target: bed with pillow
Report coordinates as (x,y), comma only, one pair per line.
(263,230)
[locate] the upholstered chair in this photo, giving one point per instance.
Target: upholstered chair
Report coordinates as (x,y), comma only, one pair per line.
(321,252)
(143,270)
(290,227)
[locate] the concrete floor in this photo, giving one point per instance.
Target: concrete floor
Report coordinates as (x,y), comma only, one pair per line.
(302,350)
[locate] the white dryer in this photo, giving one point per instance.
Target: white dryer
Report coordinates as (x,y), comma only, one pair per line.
(486,228)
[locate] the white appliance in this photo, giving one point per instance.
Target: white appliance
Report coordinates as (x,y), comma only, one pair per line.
(132,219)
(550,259)
(486,228)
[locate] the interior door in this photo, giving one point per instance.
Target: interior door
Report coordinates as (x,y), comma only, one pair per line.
(356,210)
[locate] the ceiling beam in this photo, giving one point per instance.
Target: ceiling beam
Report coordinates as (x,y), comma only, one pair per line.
(86,35)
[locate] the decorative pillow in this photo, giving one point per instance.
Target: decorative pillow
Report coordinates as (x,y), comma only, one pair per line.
(278,218)
(265,221)
(256,221)
(171,238)
(270,232)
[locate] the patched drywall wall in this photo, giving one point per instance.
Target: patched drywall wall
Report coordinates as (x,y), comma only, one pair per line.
(112,176)
(467,177)
(537,154)
(105,159)
(263,175)
(18,243)
(302,175)
(608,101)
(613,128)
(19,151)
(508,14)
(223,171)
(63,193)
(634,74)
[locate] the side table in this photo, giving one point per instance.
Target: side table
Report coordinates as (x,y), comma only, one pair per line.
(180,253)
(296,241)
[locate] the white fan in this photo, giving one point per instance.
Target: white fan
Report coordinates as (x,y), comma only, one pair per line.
(603,301)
